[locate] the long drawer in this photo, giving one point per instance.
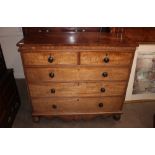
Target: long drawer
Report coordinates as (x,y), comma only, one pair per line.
(49,58)
(96,89)
(77,73)
(76,105)
(106,58)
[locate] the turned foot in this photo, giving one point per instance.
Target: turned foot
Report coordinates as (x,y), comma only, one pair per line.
(117,117)
(36,119)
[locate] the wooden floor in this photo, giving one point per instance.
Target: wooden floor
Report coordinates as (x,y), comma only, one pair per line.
(137,115)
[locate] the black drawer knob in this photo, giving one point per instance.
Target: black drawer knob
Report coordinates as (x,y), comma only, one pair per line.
(104,74)
(52,90)
(106,60)
(54,106)
(50,59)
(100,105)
(51,75)
(102,90)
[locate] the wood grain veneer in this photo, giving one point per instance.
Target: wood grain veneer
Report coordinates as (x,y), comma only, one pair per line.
(76,74)
(85,89)
(69,84)
(55,106)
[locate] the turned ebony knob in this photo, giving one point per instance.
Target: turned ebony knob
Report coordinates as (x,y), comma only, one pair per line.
(100,105)
(54,106)
(51,75)
(104,74)
(102,90)
(50,59)
(53,90)
(106,60)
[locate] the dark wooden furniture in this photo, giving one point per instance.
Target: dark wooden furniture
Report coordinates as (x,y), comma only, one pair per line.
(79,73)
(154,121)
(2,63)
(9,98)
(47,30)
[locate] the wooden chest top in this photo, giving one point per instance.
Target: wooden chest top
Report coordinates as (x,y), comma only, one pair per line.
(89,39)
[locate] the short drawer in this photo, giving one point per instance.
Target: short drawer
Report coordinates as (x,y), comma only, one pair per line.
(49,58)
(76,105)
(106,58)
(74,74)
(77,89)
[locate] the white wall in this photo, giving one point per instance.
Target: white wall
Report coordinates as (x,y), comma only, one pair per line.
(8,39)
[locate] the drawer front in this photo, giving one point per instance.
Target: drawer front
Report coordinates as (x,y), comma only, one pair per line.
(51,74)
(74,74)
(76,105)
(95,89)
(106,58)
(50,58)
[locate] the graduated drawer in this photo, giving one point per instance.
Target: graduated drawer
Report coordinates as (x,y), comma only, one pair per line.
(49,58)
(77,73)
(106,58)
(76,105)
(95,89)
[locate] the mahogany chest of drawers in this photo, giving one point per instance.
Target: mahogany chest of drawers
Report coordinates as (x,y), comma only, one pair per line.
(73,77)
(77,82)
